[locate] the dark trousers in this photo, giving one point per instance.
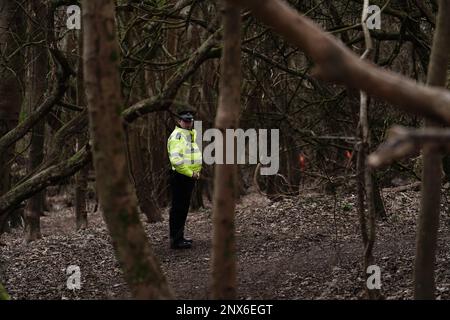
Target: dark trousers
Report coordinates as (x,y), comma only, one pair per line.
(181,187)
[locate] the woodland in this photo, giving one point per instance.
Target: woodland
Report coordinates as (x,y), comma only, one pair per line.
(357,91)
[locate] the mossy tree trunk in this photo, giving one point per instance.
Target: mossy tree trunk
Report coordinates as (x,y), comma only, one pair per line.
(225,178)
(116,194)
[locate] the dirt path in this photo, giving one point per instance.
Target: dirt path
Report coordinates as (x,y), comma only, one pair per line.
(300,248)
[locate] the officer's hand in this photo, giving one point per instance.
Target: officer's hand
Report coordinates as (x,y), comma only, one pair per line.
(196,175)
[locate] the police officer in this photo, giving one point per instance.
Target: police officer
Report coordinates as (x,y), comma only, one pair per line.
(186,162)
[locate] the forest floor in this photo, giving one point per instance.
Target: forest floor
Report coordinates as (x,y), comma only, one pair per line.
(308,247)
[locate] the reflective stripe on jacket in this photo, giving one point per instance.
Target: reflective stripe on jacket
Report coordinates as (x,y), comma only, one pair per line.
(184,153)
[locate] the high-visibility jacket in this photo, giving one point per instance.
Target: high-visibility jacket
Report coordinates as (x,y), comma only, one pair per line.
(184,153)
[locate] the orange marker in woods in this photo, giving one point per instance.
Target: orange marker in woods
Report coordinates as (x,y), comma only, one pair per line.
(302,162)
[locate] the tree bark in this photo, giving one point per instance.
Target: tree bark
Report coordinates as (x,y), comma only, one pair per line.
(37,87)
(367,175)
(11,82)
(81,184)
(81,178)
(225,179)
(380,210)
(428,221)
(117,198)
(141,182)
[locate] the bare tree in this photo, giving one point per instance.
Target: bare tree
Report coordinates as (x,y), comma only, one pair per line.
(81,178)
(365,177)
(225,179)
(36,89)
(428,221)
(117,198)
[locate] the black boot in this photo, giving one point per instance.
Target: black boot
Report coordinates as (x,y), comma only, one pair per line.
(180,244)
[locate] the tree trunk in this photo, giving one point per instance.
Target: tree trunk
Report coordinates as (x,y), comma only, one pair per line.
(141,181)
(158,163)
(11,76)
(428,221)
(225,179)
(37,87)
(81,178)
(197,195)
(365,174)
(81,184)
(117,198)
(380,210)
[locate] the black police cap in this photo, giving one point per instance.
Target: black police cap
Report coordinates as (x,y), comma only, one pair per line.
(186,115)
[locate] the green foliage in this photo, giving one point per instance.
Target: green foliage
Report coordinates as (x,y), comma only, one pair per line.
(3,294)
(346,207)
(158,3)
